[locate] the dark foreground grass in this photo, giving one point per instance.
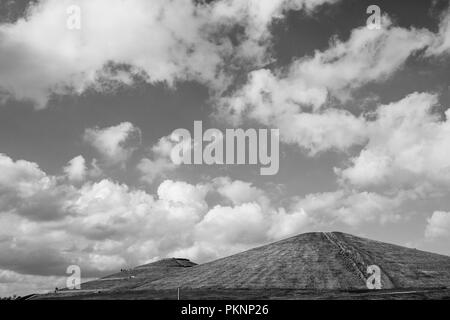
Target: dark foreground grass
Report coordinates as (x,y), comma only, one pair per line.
(257,294)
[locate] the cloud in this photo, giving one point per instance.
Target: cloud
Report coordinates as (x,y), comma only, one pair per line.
(285,224)
(239,192)
(26,190)
(233,225)
(159,41)
(152,169)
(104,226)
(36,259)
(95,170)
(438,226)
(406,147)
(76,169)
(100,226)
(246,219)
(367,56)
(278,102)
(331,129)
(441,44)
(21,177)
(160,162)
(295,100)
(116,144)
(21,284)
(227,230)
(183,192)
(48,223)
(352,208)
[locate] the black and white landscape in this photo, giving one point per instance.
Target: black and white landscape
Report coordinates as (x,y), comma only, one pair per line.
(317,265)
(225,149)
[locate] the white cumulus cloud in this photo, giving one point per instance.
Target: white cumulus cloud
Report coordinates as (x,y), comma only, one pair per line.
(76,169)
(116,143)
(161,41)
(438,225)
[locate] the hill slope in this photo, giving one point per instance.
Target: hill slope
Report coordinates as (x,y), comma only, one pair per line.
(312,261)
(329,261)
(129,279)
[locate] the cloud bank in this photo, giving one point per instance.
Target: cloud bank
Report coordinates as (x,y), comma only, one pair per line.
(159,41)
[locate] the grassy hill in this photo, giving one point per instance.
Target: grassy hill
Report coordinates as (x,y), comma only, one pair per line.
(312,264)
(321,261)
(129,279)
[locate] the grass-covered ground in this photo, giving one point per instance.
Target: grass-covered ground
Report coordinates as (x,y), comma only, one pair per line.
(256,294)
(309,266)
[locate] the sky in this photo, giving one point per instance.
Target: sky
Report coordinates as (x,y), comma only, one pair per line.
(87,114)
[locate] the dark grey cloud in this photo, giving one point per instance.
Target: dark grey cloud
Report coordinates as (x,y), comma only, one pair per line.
(11,10)
(32,258)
